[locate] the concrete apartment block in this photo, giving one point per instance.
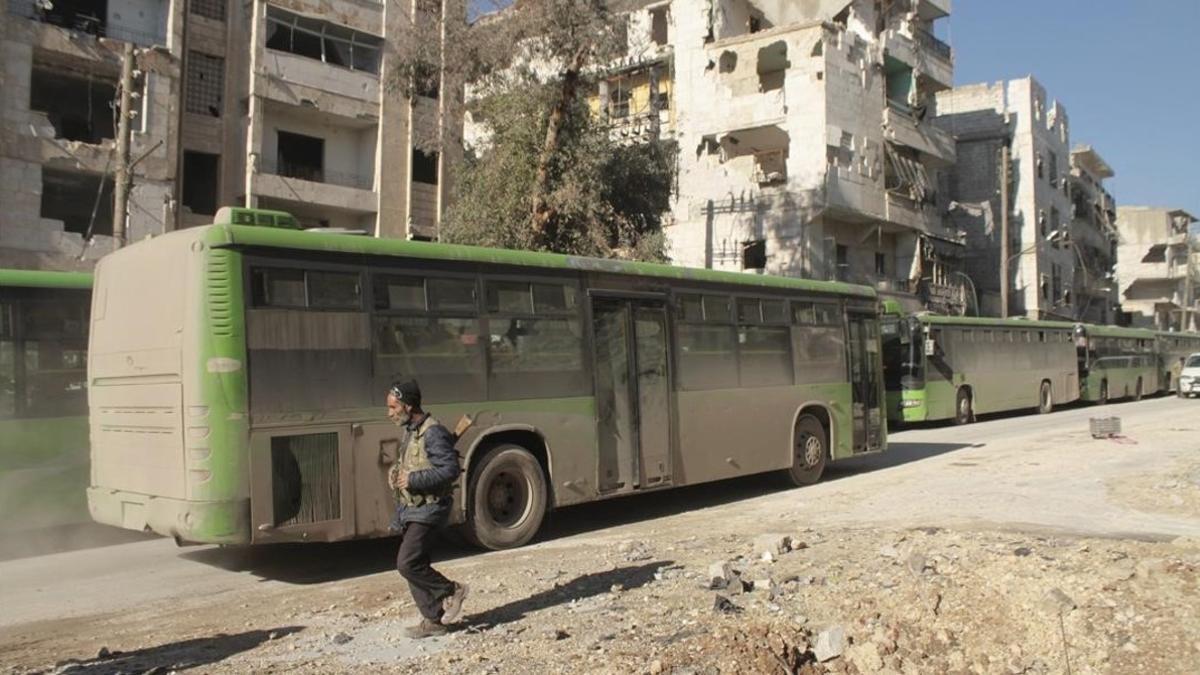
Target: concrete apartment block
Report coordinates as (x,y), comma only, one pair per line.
(1094,237)
(983,119)
(270,103)
(806,147)
(1156,268)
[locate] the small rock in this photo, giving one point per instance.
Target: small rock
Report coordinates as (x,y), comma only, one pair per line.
(341,639)
(1022,551)
(866,657)
(1056,601)
(723,605)
(768,557)
(830,644)
(274,635)
(617,588)
(889,551)
(917,564)
(775,544)
(719,575)
(557,634)
(656,667)
(103,653)
(798,545)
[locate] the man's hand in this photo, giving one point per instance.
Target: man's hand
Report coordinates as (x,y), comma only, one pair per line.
(397,479)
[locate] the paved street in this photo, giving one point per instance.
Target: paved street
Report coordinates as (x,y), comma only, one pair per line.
(1025,475)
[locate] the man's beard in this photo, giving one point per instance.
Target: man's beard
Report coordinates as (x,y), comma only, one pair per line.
(400,417)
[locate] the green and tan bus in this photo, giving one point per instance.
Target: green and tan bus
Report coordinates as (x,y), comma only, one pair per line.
(1117,362)
(953,368)
(237,375)
(43,400)
(1173,350)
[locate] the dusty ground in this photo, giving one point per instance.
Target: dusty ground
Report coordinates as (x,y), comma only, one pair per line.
(1017,545)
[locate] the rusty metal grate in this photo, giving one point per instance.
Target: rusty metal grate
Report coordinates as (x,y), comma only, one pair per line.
(306,486)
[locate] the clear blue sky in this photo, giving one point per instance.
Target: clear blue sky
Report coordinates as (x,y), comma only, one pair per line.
(1127,71)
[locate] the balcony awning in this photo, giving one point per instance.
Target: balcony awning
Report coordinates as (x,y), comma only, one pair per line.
(911,174)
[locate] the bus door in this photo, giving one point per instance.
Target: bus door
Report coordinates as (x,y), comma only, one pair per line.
(633,393)
(863,344)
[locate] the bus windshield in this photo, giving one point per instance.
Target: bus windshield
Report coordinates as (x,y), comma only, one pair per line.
(902,355)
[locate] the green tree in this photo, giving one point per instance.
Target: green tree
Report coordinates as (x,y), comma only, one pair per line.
(549,176)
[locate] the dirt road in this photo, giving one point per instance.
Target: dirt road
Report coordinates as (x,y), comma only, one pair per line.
(1012,545)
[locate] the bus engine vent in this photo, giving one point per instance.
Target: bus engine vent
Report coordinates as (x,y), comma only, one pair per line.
(304,479)
(220,314)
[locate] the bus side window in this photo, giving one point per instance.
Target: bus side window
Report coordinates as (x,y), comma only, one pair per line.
(818,342)
(428,329)
(534,341)
(764,351)
(706,344)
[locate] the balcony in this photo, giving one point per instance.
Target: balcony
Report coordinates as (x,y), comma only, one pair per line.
(929,10)
(81,16)
(315,185)
(930,57)
(935,46)
(901,128)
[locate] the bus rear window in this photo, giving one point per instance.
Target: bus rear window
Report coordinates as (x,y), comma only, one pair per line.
(313,289)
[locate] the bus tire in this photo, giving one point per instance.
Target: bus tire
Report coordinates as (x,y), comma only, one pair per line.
(810,453)
(1103,393)
(1137,392)
(1045,399)
(963,412)
(507,498)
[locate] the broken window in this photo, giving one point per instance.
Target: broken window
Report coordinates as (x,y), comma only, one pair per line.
(80,107)
(424,167)
(772,66)
(880,264)
(1054,220)
(842,262)
(900,84)
(1043,226)
(754,254)
(658,26)
(619,97)
(209,9)
(201,171)
(73,197)
(204,86)
(323,41)
(301,156)
(770,167)
(905,175)
(727,62)
(1053,169)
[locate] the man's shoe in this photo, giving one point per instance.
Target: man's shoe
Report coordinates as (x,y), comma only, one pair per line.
(425,629)
(452,606)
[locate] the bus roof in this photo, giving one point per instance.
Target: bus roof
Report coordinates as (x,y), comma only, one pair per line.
(991,322)
(1117,331)
(243,235)
(45,279)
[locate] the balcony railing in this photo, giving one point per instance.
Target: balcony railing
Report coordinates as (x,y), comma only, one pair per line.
(316,174)
(80,22)
(932,43)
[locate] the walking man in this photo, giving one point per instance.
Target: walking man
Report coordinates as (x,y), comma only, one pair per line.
(423,478)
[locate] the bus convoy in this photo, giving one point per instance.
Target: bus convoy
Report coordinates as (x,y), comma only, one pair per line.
(234,378)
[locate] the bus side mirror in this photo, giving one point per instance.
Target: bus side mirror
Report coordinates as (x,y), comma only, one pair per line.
(930,347)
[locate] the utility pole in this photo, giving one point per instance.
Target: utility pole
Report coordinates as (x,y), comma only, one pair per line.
(1004,229)
(124,180)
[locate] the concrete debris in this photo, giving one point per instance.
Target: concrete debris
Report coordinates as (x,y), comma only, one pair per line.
(719,575)
(1057,601)
(557,634)
(341,639)
(889,551)
(775,544)
(831,643)
(723,605)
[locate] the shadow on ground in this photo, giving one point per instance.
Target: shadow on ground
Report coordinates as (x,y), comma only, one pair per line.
(173,656)
(318,563)
(579,588)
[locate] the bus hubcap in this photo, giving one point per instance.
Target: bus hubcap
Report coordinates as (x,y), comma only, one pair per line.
(812,451)
(507,499)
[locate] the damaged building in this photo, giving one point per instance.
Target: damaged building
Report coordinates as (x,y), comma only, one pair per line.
(272,104)
(805,136)
(1012,143)
(60,74)
(1094,237)
(1156,269)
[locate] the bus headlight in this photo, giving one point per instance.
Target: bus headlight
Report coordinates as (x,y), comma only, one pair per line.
(910,402)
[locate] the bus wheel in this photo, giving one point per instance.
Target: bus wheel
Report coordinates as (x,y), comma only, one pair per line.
(1103,393)
(1137,392)
(507,498)
(962,407)
(810,453)
(1045,399)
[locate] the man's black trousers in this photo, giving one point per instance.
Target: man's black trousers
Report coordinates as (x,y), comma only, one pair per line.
(428,586)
